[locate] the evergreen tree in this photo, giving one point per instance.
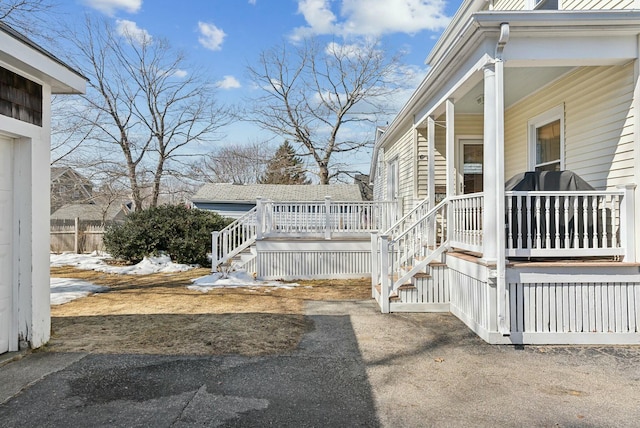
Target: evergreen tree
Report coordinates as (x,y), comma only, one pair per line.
(285,167)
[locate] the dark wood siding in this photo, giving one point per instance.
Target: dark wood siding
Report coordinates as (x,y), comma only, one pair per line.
(20,98)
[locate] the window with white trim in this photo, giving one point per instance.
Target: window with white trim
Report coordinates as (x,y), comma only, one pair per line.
(393,179)
(546,141)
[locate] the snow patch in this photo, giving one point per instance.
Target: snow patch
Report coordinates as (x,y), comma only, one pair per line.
(236,279)
(96,261)
(64,290)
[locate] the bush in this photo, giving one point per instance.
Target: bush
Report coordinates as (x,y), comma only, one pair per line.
(181,233)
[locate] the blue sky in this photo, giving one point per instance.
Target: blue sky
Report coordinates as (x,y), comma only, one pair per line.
(224,36)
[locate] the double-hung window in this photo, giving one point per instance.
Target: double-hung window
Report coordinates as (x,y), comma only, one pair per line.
(546,141)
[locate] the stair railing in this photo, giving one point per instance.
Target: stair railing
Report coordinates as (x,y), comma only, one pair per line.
(410,251)
(233,239)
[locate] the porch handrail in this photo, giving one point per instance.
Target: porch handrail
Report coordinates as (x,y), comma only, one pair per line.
(402,256)
(566,223)
(466,231)
(233,239)
(409,218)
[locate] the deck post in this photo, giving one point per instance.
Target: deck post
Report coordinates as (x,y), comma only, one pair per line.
(384,274)
(215,255)
(627,222)
(327,217)
(489,172)
(259,217)
(374,262)
(431,141)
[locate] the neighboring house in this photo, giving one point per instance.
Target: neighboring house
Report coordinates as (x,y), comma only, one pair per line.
(516,86)
(28,77)
(80,227)
(93,212)
(234,200)
(68,186)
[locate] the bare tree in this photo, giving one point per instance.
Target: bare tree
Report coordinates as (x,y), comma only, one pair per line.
(315,96)
(29,17)
(144,100)
(233,163)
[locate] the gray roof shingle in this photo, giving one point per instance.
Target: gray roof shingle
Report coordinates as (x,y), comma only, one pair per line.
(223,192)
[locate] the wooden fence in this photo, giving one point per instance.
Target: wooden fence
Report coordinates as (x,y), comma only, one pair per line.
(78,236)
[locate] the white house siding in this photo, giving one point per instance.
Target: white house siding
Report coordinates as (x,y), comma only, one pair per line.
(422,165)
(404,151)
(508,5)
(379,179)
(598,124)
(597,4)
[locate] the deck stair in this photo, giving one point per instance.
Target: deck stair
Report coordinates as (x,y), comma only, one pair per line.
(407,253)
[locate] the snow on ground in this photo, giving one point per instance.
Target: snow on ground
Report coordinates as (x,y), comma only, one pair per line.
(96,261)
(234,280)
(64,290)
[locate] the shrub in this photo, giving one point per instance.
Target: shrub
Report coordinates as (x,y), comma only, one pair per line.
(183,234)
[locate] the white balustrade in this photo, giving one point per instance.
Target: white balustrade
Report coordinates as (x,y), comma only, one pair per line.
(564,224)
(466,217)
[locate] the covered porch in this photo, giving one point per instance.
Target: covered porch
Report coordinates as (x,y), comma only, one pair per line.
(522,266)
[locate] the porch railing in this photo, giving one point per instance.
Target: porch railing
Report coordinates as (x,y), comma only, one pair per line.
(466,222)
(323,219)
(396,259)
(567,224)
(234,238)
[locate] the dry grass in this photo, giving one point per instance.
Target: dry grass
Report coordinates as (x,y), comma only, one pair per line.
(157,314)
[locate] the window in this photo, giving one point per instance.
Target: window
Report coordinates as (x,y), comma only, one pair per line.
(546,141)
(393,178)
(542,5)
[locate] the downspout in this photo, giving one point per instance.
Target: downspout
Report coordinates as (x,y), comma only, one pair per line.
(501,285)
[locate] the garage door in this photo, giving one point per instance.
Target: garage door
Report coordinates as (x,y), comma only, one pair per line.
(6,238)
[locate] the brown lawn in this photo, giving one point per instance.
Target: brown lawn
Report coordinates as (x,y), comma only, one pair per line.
(157,314)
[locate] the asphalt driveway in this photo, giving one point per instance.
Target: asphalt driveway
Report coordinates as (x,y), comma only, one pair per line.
(356,368)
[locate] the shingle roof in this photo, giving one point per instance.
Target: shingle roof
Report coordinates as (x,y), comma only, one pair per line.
(223,192)
(86,212)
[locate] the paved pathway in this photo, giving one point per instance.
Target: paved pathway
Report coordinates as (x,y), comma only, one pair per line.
(357,368)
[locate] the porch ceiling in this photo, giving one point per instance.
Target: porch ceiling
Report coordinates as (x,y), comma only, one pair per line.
(518,83)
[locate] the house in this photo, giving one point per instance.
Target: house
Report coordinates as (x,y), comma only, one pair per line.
(523,99)
(234,200)
(28,77)
(95,213)
(69,186)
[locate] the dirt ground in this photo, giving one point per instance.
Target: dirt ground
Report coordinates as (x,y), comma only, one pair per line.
(157,314)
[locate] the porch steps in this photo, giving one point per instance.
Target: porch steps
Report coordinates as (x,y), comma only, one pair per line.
(428,291)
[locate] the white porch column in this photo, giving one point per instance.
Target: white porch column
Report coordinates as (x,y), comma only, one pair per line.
(489,172)
(431,164)
(450,144)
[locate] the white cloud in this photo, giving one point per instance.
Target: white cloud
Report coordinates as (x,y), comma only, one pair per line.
(128,28)
(228,82)
(252,1)
(371,17)
(180,73)
(110,7)
(211,37)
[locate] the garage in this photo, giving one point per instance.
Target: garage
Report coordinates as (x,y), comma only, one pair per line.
(29,76)
(6,237)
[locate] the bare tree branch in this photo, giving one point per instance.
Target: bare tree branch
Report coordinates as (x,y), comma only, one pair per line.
(310,96)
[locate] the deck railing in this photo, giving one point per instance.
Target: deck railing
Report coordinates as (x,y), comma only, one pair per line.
(396,259)
(323,219)
(567,224)
(466,222)
(234,238)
